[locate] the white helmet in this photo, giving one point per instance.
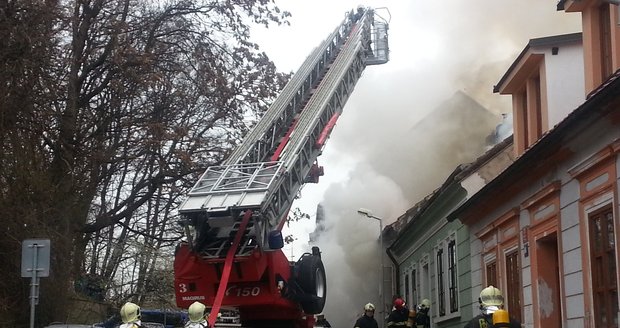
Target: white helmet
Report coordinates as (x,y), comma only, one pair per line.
(369,307)
(196,312)
(491,296)
(491,300)
(130,312)
(425,304)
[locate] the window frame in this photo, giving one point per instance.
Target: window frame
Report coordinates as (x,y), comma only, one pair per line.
(590,215)
(513,300)
(490,260)
(499,239)
(445,304)
(605,40)
(414,285)
(406,294)
(425,276)
(410,287)
(453,276)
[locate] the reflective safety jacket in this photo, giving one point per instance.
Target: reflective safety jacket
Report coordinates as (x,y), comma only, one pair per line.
(398,318)
(201,324)
(366,322)
(422,320)
(136,324)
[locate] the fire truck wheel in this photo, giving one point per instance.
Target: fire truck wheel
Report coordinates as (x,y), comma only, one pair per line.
(313,282)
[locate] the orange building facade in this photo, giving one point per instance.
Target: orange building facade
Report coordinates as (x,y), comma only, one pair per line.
(545,231)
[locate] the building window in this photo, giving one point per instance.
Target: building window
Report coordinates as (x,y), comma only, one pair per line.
(491,273)
(424,279)
(501,266)
(533,108)
(536,111)
(441,292)
(605,41)
(407,295)
(452,277)
(414,286)
(446,278)
(521,131)
(513,284)
(530,113)
(388,287)
(603,262)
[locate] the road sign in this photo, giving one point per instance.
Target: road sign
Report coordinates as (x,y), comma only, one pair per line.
(36,258)
(35,264)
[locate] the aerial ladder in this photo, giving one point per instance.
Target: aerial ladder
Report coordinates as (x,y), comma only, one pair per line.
(233,216)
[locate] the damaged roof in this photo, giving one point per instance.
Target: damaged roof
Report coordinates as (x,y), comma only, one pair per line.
(584,115)
(463,170)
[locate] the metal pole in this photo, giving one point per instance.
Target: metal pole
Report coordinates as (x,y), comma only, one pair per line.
(381,304)
(33,285)
(381,276)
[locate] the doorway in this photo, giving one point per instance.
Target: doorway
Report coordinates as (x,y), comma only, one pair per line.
(548,281)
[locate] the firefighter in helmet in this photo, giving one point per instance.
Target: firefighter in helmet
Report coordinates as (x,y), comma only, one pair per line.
(491,300)
(197,318)
(399,315)
(422,319)
(130,314)
(358,14)
(368,319)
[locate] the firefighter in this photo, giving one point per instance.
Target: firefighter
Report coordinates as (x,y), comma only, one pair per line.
(197,318)
(422,319)
(359,14)
(130,314)
(368,319)
(399,315)
(491,300)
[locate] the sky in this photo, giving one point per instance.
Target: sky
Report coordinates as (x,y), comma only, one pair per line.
(373,159)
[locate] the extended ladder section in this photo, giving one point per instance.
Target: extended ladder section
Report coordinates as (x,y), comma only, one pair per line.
(265,173)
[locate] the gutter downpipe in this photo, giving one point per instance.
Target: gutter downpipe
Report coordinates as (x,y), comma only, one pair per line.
(396,269)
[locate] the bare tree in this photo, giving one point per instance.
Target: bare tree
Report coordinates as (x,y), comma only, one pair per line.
(109,110)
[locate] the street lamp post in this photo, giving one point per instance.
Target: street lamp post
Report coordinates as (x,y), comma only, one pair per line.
(368,213)
(292,249)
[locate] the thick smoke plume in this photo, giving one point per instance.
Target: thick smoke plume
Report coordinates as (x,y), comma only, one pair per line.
(383,154)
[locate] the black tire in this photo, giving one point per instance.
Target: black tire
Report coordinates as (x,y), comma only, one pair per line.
(312,280)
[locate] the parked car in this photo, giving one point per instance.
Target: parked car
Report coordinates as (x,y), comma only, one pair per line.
(150,319)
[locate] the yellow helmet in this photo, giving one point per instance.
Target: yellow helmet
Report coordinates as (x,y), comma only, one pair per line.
(491,296)
(196,312)
(369,307)
(425,304)
(130,312)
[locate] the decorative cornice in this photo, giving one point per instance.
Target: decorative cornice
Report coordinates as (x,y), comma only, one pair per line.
(551,189)
(595,160)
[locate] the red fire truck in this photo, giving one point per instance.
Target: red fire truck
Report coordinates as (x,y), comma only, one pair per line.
(233,216)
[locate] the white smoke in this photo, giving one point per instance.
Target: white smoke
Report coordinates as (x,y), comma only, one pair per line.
(372,159)
(349,246)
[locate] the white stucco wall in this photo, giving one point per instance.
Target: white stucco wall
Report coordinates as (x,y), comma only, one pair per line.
(565,81)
